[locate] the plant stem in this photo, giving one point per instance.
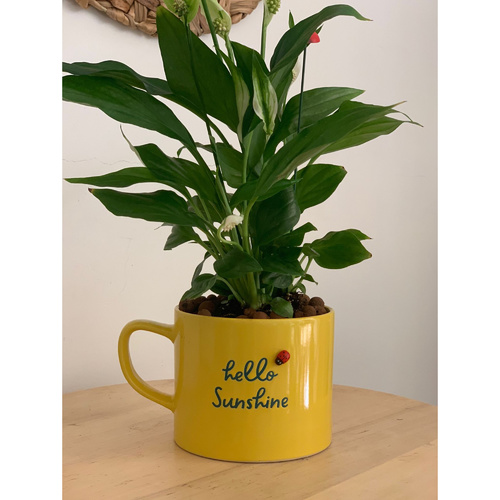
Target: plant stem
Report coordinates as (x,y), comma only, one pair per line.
(218,132)
(208,17)
(218,182)
(302,81)
(231,287)
(244,227)
(263,35)
(209,250)
(294,287)
(223,240)
(229,47)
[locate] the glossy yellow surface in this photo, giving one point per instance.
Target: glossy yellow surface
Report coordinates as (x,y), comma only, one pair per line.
(231,400)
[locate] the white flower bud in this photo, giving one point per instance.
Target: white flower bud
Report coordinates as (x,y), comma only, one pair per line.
(220,18)
(180,8)
(273,6)
(230,222)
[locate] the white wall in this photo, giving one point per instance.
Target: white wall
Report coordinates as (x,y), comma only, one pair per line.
(386,308)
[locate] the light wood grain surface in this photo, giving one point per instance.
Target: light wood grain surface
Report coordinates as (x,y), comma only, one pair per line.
(118,445)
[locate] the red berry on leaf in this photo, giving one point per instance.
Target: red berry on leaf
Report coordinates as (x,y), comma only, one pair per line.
(314,38)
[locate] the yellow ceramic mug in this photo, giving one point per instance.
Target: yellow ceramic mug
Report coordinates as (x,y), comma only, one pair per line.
(231,400)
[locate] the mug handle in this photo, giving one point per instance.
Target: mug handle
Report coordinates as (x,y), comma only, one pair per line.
(128,369)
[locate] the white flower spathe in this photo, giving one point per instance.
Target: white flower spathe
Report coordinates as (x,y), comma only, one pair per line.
(296,70)
(230,222)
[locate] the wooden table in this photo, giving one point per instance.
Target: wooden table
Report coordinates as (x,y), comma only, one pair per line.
(118,445)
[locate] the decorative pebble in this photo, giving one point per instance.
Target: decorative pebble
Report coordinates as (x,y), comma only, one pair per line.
(207,304)
(204,312)
(309,311)
(316,301)
(199,300)
(260,315)
(249,312)
(187,306)
(304,300)
(273,315)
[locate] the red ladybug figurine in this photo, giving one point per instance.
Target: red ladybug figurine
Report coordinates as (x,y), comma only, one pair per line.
(282,357)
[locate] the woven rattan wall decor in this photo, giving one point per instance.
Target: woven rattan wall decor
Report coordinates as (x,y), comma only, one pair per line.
(141,14)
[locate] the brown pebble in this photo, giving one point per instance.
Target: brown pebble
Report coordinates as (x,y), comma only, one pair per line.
(309,311)
(320,310)
(273,315)
(249,312)
(298,314)
(187,306)
(199,300)
(204,312)
(316,301)
(303,300)
(207,304)
(260,315)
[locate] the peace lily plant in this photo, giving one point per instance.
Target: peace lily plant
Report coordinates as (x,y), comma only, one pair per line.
(240,197)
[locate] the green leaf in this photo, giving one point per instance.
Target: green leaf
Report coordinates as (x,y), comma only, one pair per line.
(242,94)
(283,260)
(236,263)
(274,217)
(126,104)
(365,133)
(180,235)
(220,288)
(309,251)
(276,280)
(119,179)
(265,101)
(255,143)
(214,214)
(295,237)
(308,277)
(120,72)
(199,268)
(160,206)
(282,307)
(340,249)
(210,88)
(296,39)
(231,164)
(361,236)
(311,141)
(245,59)
(178,172)
(200,285)
(316,105)
(246,191)
(317,183)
